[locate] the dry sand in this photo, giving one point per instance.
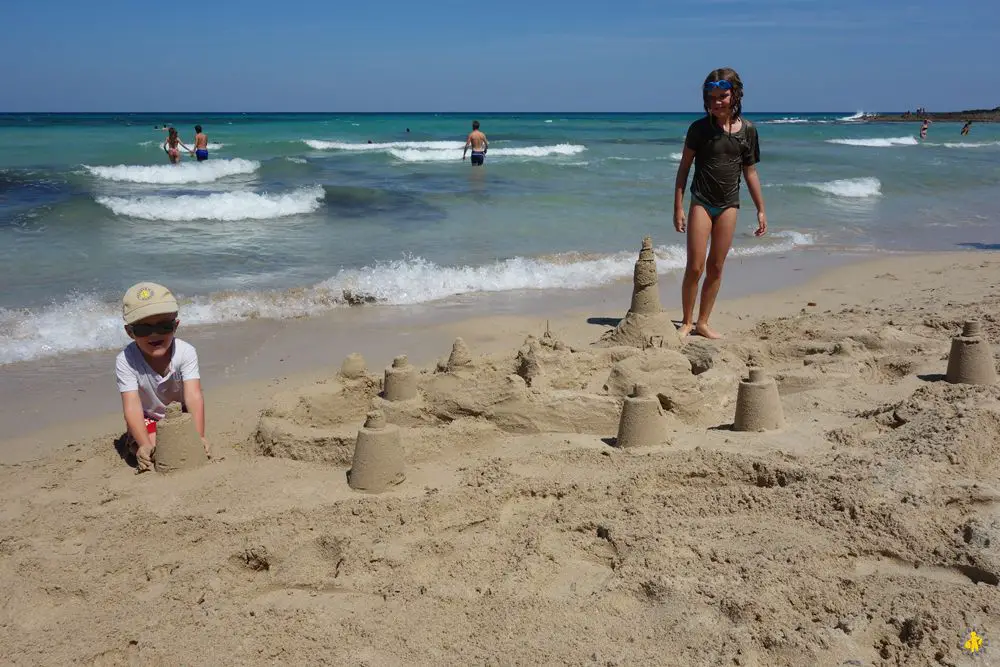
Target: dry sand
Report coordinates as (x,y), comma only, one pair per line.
(866,531)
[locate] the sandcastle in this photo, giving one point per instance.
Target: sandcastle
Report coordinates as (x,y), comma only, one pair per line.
(758,405)
(642,422)
(645,324)
(178,445)
(378,456)
(971,359)
(400,380)
(353,366)
(460,355)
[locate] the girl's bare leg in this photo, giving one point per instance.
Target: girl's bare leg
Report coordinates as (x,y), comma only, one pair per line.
(699,229)
(722,241)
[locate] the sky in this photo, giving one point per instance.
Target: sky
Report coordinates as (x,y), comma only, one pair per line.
(516,55)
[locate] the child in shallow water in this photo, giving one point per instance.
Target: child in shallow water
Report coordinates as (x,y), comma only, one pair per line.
(170,145)
(723,147)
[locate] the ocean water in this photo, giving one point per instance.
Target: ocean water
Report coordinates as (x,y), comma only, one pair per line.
(297,213)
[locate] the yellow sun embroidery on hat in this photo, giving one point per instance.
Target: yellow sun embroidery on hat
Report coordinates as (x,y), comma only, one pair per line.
(975,644)
(145,294)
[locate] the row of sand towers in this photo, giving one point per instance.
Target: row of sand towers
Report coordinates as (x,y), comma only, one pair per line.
(378,461)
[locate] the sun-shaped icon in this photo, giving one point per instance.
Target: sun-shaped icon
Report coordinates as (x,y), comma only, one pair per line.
(975,643)
(145,294)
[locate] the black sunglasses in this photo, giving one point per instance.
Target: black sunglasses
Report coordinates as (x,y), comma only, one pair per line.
(143,330)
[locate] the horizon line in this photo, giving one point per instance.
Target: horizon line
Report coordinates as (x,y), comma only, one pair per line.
(428,113)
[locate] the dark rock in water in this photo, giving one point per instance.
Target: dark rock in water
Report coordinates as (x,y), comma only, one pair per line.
(358,298)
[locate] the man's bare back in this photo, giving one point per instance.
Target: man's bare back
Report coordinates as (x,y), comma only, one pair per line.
(476,140)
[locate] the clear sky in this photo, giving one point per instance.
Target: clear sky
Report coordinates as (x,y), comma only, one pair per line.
(514,55)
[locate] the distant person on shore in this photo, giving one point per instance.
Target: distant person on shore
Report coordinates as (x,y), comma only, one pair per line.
(723,147)
(965,128)
(200,144)
(478,143)
(155,369)
(170,146)
(923,128)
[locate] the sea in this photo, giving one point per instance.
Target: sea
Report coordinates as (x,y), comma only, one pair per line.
(296,214)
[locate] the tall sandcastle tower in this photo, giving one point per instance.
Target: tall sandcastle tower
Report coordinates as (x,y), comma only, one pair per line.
(645,324)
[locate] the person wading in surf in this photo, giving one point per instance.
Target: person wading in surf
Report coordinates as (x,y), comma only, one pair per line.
(478,143)
(170,145)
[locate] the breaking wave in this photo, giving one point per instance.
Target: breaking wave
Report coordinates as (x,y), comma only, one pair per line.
(174,174)
(29,334)
(219,206)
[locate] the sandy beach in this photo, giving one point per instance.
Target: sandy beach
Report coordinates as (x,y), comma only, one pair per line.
(863,531)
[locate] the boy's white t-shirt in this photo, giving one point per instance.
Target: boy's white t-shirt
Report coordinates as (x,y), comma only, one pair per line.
(156,391)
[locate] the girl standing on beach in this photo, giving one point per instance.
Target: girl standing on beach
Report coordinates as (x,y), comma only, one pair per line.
(170,146)
(723,146)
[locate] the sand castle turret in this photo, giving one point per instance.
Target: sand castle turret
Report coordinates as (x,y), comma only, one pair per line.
(353,367)
(645,324)
(400,380)
(378,456)
(460,355)
(758,405)
(642,423)
(178,445)
(645,288)
(971,359)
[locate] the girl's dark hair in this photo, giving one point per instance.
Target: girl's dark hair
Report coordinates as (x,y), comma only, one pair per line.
(172,131)
(730,75)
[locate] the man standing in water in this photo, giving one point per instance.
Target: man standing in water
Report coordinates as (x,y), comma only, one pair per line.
(200,144)
(478,143)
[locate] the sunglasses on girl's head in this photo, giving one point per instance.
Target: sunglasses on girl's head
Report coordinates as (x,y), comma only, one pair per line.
(143,330)
(718,85)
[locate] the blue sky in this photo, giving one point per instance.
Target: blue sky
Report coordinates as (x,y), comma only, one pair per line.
(446,55)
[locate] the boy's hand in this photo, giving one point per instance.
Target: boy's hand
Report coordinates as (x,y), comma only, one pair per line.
(144,459)
(761,224)
(680,220)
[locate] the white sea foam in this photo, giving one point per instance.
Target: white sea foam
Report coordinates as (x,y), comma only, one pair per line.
(442,151)
(27,334)
(676,156)
(965,144)
(857,188)
(785,121)
(320,145)
(220,206)
(173,174)
(297,160)
(453,154)
(858,115)
(880,142)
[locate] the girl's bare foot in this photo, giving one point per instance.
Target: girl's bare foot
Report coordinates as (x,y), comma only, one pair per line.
(684,329)
(703,330)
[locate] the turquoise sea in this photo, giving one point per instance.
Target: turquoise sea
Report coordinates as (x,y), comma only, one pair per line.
(295,213)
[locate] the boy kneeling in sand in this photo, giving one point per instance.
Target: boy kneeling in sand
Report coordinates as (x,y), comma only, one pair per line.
(156,369)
